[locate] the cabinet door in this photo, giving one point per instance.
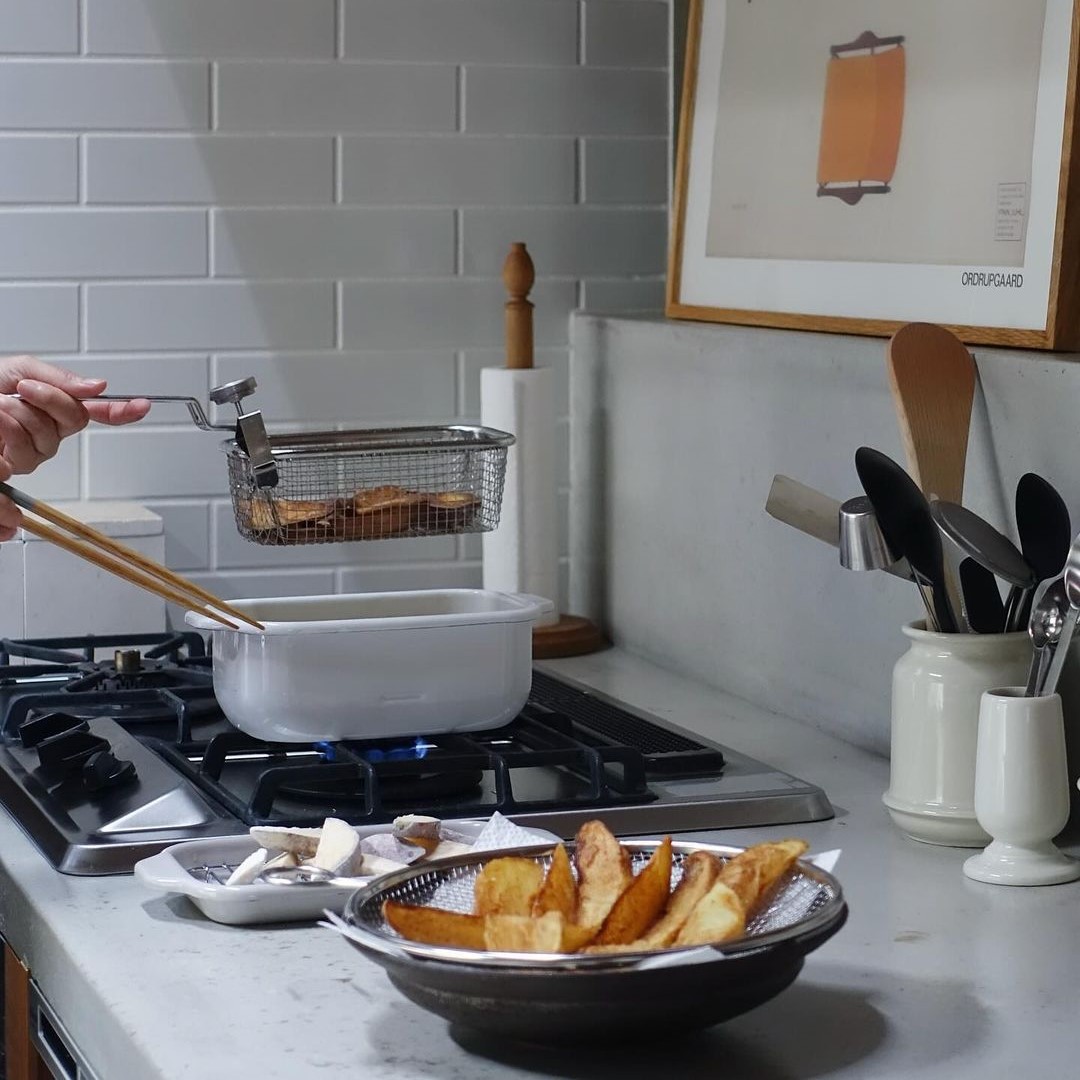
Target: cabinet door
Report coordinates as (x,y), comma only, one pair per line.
(21,1059)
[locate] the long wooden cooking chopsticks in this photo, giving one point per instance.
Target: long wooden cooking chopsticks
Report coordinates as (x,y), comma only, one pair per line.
(124,562)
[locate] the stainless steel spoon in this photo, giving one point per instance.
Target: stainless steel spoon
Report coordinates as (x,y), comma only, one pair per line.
(1048,620)
(306,875)
(1072,591)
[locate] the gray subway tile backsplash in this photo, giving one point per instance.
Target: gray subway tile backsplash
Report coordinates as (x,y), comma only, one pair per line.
(319,193)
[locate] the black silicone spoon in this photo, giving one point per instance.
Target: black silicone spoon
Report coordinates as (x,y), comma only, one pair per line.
(982,600)
(908,528)
(1045,532)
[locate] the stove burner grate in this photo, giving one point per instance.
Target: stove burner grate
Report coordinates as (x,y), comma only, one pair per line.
(526,767)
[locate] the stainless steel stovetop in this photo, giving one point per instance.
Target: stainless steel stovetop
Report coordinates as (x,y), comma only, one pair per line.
(112,748)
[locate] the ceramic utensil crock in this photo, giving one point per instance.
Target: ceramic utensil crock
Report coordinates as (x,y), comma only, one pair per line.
(936,689)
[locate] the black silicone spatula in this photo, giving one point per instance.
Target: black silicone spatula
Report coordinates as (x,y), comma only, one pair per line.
(982,599)
(1045,532)
(909,530)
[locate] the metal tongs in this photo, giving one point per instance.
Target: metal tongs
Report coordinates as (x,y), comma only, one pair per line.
(249,429)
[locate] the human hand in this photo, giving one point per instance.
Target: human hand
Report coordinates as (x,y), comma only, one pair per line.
(52,404)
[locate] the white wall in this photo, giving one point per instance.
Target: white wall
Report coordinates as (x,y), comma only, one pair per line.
(320,193)
(679,428)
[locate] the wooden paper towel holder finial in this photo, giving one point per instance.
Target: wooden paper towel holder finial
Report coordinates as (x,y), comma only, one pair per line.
(572,635)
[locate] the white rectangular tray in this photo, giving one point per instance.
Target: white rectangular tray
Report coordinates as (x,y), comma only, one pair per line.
(170,871)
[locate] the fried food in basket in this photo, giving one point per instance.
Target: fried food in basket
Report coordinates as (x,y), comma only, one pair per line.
(507,887)
(603,873)
(523,933)
(445,511)
(376,513)
(718,916)
(641,902)
(559,890)
(607,908)
(274,513)
(752,873)
(700,871)
(433,926)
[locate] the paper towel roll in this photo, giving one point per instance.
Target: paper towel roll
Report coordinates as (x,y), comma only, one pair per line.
(522,554)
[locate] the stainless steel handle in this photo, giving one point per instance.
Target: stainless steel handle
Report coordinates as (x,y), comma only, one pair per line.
(249,427)
(1052,671)
(194,406)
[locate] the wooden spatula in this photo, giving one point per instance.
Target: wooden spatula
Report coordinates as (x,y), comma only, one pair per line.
(932,376)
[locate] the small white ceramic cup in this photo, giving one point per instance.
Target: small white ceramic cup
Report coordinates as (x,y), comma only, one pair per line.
(1021,790)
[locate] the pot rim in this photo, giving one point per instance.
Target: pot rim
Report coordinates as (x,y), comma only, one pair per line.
(512,608)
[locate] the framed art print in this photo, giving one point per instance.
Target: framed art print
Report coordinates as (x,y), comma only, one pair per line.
(854,165)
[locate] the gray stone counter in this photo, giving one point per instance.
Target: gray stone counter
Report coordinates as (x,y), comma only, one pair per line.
(933,976)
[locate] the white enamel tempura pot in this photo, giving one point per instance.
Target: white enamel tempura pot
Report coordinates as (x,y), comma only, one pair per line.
(375,665)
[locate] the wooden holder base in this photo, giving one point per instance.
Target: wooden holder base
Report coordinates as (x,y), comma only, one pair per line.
(572,635)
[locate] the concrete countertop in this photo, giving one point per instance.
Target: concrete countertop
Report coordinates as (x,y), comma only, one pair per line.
(933,976)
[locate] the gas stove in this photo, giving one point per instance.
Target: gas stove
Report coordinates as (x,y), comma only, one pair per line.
(112,748)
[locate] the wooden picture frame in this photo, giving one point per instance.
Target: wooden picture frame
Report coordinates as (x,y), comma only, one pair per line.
(955,237)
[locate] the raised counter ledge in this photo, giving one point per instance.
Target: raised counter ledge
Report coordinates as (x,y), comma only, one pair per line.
(933,975)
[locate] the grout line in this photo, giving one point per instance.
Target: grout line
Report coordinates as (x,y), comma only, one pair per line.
(212,96)
(459,383)
(581,33)
(337,169)
(460,88)
(80,169)
(211,229)
(81,313)
(212,536)
(459,243)
(339,315)
(80,28)
(339,29)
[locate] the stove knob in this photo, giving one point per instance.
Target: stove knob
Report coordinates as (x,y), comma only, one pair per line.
(104,770)
(68,751)
(47,726)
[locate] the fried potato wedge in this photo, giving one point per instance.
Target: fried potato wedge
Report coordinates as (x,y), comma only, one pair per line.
(718,916)
(523,933)
(641,902)
(433,926)
(559,891)
(599,905)
(507,886)
(603,873)
(548,933)
(700,871)
(576,937)
(752,873)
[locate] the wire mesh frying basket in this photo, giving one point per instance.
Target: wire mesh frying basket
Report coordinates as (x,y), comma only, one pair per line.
(330,486)
(371,485)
